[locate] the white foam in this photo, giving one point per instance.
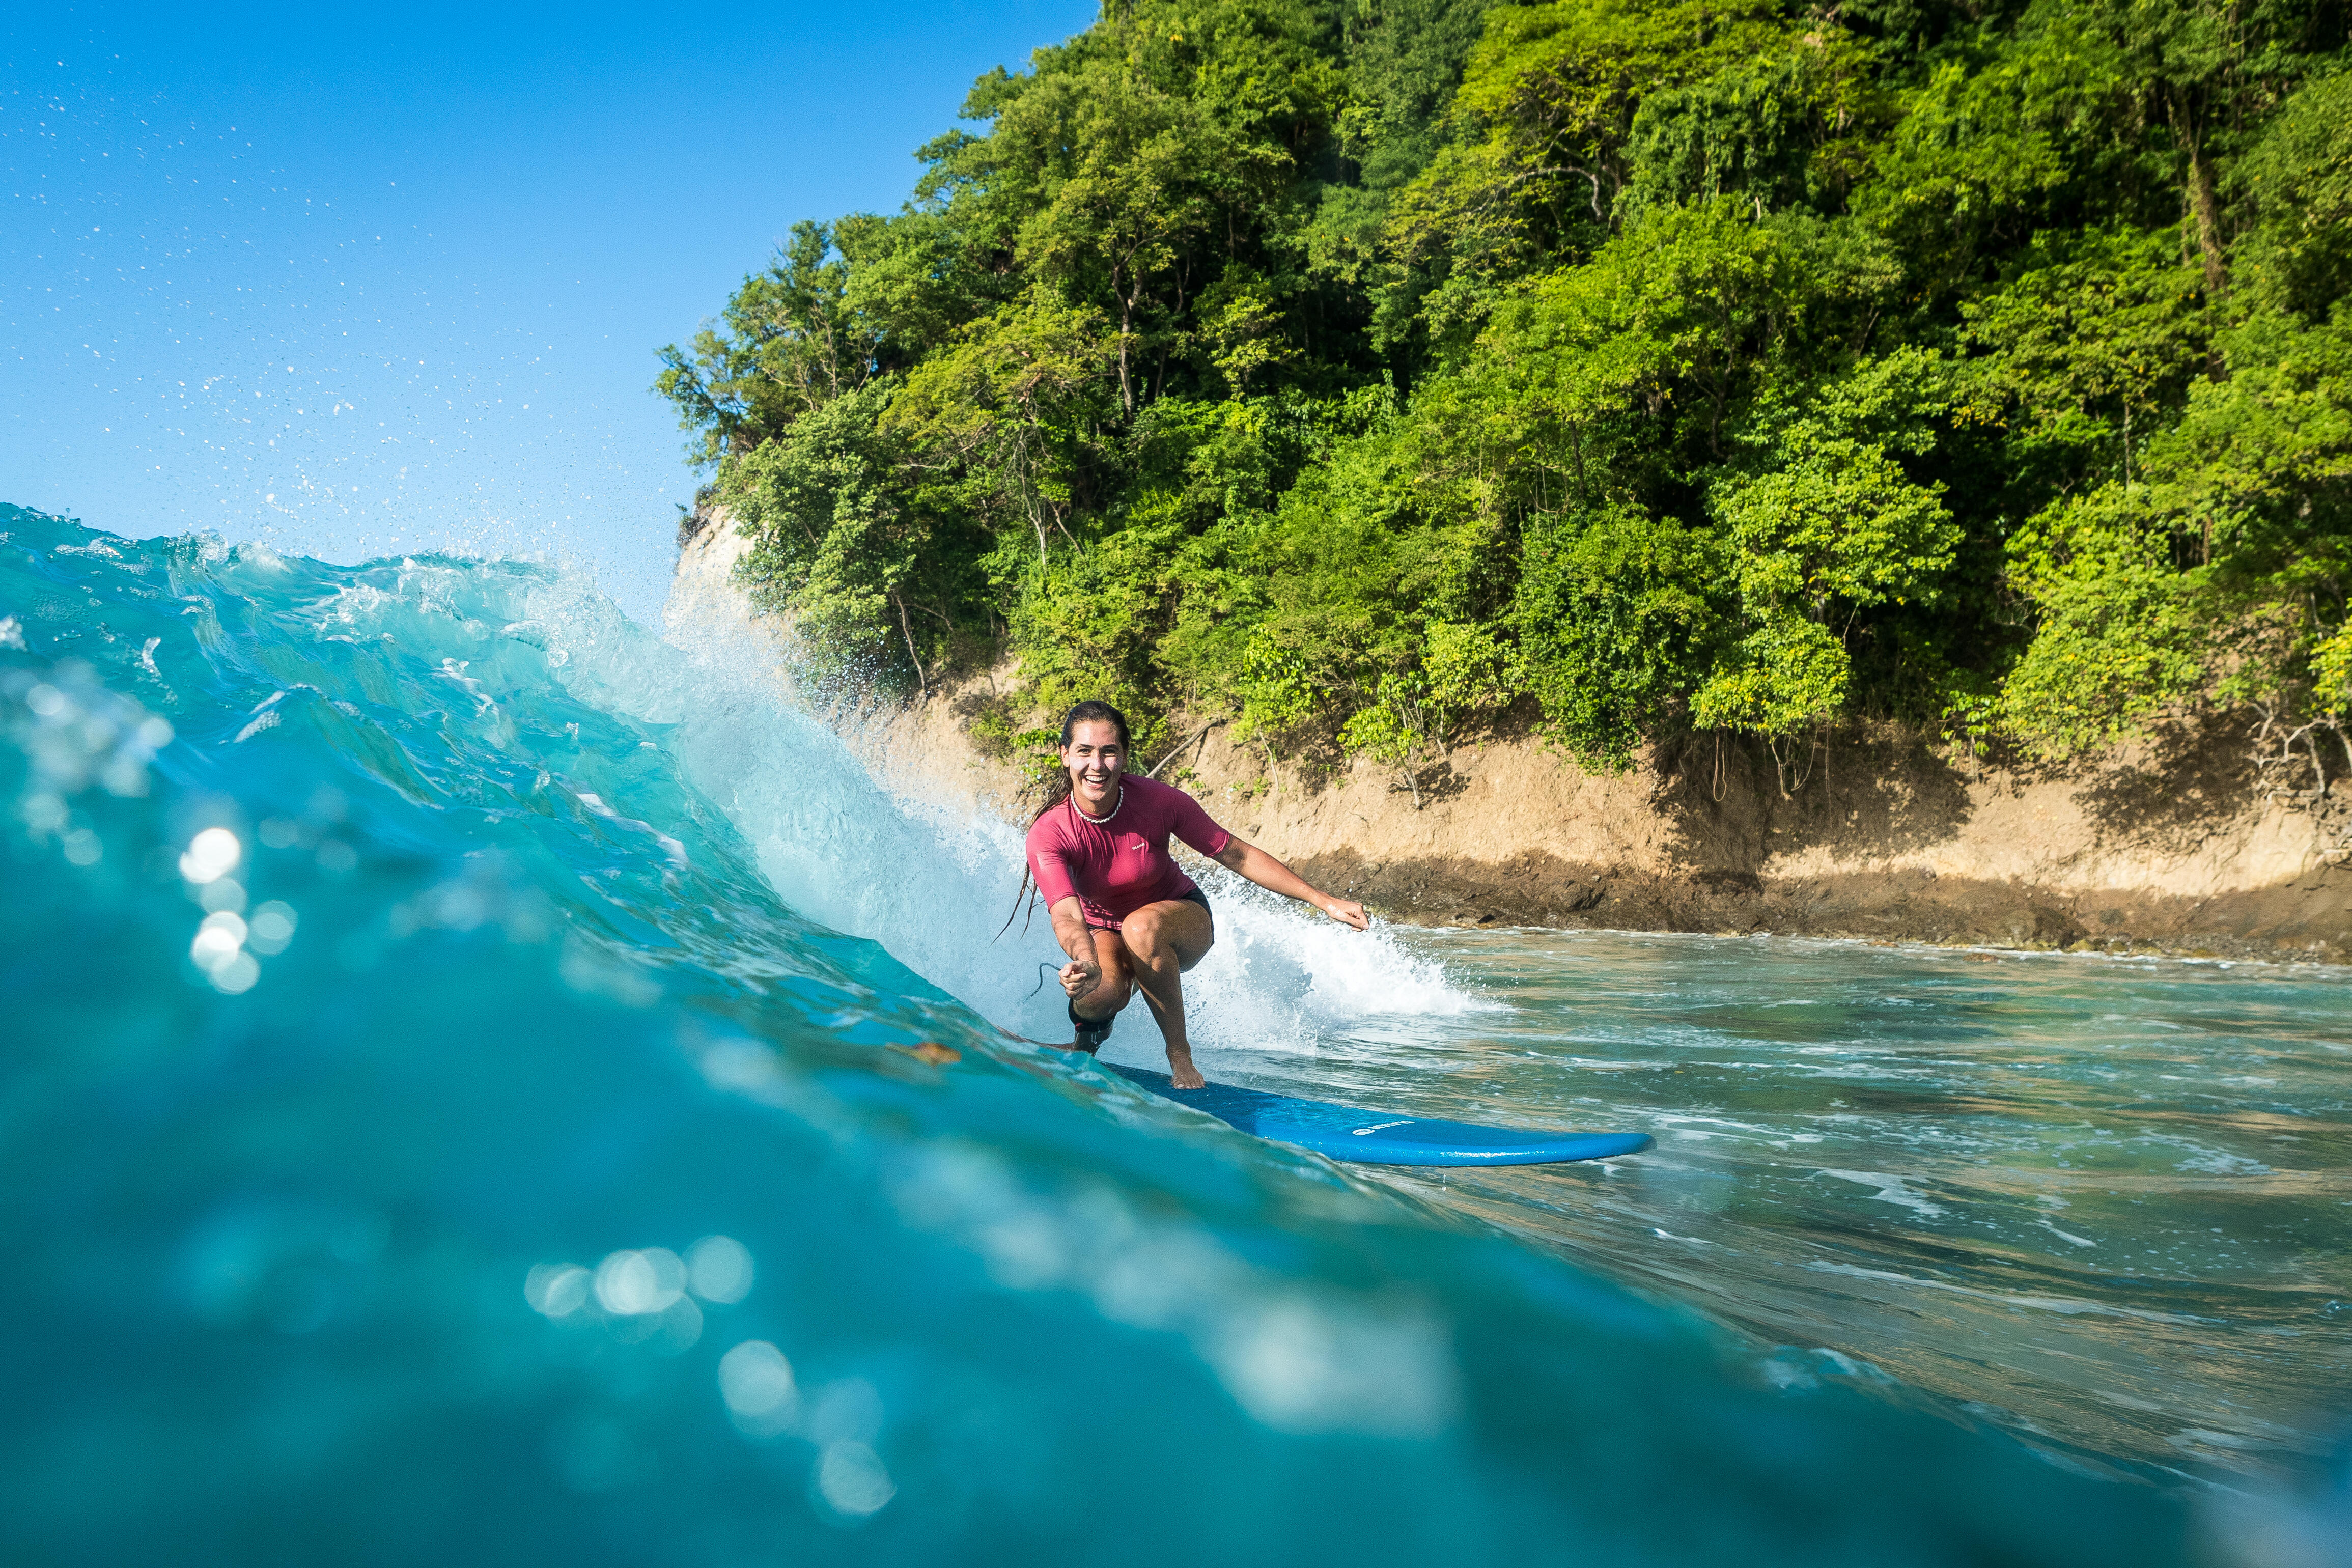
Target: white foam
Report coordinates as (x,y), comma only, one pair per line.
(933,880)
(1282,976)
(1891,1190)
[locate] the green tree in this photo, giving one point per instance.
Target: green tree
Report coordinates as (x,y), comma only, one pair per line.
(1365,373)
(837,546)
(1617,617)
(790,341)
(1004,412)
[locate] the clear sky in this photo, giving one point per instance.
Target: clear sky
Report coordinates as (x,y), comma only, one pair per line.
(365,281)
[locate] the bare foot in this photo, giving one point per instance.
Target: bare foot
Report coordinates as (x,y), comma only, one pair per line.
(1182,1074)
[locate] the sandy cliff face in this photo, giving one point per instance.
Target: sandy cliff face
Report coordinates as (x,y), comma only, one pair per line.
(2170,845)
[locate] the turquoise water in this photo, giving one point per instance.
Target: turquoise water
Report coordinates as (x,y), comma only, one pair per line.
(454,1106)
(2098,1204)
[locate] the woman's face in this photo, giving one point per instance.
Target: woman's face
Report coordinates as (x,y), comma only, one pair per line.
(1095,758)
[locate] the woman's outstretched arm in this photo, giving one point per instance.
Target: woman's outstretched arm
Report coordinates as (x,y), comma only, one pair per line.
(1084,971)
(1240,855)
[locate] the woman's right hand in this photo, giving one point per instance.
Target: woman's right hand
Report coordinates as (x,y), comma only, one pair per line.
(1080,976)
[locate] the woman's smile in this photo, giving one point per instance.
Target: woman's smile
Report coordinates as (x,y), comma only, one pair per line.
(1097,786)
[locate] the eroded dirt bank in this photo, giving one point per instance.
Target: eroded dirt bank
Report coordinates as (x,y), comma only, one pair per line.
(1886,837)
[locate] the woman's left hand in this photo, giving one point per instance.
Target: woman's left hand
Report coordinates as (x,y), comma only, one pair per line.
(1347,911)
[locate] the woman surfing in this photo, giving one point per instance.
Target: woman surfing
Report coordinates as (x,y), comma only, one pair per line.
(1122,908)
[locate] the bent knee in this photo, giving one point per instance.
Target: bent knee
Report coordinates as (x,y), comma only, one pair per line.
(1105,999)
(1152,935)
(1152,929)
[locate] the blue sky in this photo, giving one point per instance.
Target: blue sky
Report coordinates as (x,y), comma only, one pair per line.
(367,284)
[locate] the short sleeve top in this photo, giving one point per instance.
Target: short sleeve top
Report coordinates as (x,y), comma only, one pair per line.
(1114,867)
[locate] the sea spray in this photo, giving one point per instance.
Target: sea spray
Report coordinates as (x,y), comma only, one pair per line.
(548,1187)
(884,854)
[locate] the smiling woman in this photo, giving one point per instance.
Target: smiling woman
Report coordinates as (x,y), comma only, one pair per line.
(1122,908)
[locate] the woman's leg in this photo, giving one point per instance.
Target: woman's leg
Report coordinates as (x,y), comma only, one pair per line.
(1161,942)
(1116,988)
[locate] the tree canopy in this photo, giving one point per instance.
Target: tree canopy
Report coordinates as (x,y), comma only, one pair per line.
(1364,368)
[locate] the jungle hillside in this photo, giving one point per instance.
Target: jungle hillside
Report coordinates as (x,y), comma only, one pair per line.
(1365,373)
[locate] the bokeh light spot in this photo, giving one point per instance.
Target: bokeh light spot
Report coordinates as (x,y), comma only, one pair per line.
(718,1269)
(211,855)
(756,1382)
(217,940)
(633,1284)
(556,1290)
(271,928)
(851,1480)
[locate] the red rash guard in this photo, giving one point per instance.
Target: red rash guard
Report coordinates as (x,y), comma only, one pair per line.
(1115,866)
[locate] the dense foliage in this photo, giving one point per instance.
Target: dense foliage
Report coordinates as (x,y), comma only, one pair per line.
(1362,370)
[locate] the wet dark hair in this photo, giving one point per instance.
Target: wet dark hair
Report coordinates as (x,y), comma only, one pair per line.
(1054,784)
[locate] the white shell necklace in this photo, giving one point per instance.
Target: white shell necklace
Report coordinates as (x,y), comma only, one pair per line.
(1106,816)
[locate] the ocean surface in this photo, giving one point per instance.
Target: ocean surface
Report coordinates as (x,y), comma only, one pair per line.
(478,1084)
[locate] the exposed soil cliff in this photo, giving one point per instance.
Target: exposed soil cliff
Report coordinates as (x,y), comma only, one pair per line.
(2170,845)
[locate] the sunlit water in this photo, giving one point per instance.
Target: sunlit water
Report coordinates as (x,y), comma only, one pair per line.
(455,1108)
(2101,1203)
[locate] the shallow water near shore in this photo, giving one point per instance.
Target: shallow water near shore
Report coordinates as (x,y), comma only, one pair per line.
(2101,1205)
(485,1085)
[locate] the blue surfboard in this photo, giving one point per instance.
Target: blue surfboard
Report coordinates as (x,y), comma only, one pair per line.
(1368,1138)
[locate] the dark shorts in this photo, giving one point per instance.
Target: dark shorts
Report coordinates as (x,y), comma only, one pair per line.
(1193,895)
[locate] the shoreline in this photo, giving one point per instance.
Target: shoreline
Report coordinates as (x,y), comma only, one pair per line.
(2161,849)
(2147,954)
